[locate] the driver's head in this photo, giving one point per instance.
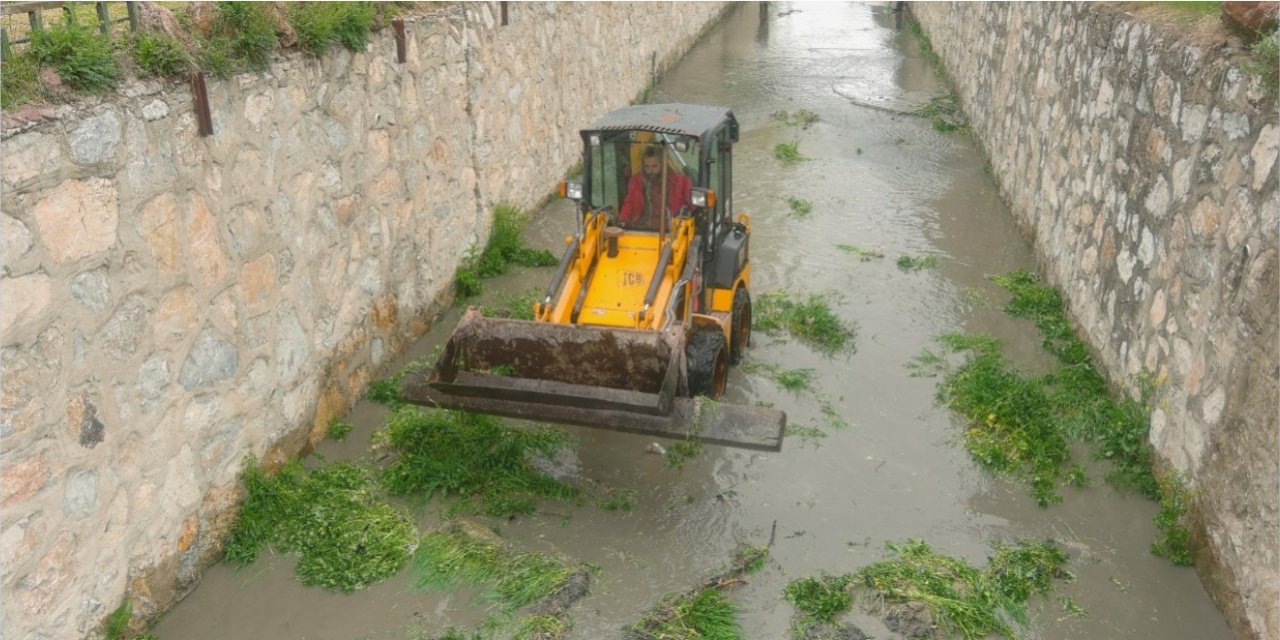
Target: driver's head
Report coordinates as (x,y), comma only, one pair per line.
(652,162)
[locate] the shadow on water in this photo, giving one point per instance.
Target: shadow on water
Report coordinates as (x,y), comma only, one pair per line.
(878,180)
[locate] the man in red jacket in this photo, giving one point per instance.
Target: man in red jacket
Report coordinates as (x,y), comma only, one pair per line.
(640,209)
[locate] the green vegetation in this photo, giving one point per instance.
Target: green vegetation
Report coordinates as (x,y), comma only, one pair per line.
(247,32)
(515,305)
(505,248)
(460,555)
(961,599)
(1266,61)
(865,255)
(788,152)
(157,54)
(805,432)
(706,615)
(618,500)
(750,558)
(339,429)
(345,535)
(82,57)
(793,380)
(117,625)
(809,319)
(800,207)
(19,79)
(1173,538)
(916,263)
(820,599)
(320,25)
(691,447)
(802,118)
(473,457)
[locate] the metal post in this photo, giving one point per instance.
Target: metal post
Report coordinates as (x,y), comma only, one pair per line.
(397,27)
(37,22)
(200,96)
(504,12)
(4,43)
(104,19)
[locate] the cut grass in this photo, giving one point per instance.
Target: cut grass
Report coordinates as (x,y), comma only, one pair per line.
(802,118)
(800,208)
(788,152)
(345,535)
(458,555)
(504,249)
(339,429)
(820,598)
(618,500)
(474,458)
(518,306)
(917,263)
(793,380)
(962,599)
(703,612)
(865,255)
(810,319)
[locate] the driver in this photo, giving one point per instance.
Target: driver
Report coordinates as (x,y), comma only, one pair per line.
(644,192)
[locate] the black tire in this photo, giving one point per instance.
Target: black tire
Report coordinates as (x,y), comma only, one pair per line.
(707,359)
(741,328)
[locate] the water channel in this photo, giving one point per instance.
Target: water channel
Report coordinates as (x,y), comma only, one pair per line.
(876,180)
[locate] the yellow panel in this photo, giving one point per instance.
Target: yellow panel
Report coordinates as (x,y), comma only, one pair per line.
(616,292)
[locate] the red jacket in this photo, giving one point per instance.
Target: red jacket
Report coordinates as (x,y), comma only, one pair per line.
(678,188)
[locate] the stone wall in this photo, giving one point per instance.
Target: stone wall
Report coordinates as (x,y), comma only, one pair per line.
(1144,166)
(170,303)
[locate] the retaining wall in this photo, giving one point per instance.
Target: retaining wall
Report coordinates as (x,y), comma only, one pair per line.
(1144,166)
(170,303)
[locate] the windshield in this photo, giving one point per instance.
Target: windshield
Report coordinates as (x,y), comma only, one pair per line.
(617,166)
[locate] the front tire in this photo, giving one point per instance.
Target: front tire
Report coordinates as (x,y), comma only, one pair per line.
(741,330)
(707,359)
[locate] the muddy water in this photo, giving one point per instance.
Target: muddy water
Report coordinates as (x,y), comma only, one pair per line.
(877,180)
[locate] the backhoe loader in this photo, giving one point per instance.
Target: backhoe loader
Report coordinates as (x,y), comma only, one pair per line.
(648,307)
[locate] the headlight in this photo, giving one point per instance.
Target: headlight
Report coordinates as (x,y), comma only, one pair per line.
(703,198)
(571,189)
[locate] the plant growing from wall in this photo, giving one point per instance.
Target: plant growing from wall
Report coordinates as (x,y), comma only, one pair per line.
(157,54)
(250,35)
(19,79)
(82,57)
(320,25)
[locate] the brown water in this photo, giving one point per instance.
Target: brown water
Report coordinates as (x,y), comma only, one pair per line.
(876,180)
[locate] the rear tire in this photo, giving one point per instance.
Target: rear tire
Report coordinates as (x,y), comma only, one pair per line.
(707,359)
(741,325)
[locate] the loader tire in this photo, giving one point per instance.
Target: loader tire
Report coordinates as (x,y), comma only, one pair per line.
(741,330)
(707,359)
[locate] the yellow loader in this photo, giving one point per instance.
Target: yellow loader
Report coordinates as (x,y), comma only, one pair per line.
(648,307)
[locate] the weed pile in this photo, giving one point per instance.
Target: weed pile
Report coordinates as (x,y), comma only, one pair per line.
(460,555)
(865,255)
(809,319)
(505,248)
(916,263)
(518,306)
(788,152)
(802,118)
(473,457)
(345,535)
(704,612)
(961,599)
(800,208)
(1023,425)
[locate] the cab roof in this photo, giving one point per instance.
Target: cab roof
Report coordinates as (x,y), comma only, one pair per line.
(679,119)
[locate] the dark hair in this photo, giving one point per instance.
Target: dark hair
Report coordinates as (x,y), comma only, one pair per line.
(651,151)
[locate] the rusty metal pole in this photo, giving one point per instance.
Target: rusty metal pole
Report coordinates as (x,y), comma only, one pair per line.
(504,12)
(200,96)
(397,27)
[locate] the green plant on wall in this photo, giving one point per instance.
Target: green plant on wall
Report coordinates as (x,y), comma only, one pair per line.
(82,57)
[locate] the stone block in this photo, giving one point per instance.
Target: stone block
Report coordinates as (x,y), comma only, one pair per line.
(176,316)
(78,219)
(153,382)
(80,496)
(121,335)
(1265,155)
(211,359)
(42,589)
(203,248)
(159,226)
(25,299)
(95,140)
(258,284)
(23,477)
(292,345)
(28,160)
(15,240)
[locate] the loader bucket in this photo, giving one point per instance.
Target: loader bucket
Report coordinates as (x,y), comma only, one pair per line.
(621,379)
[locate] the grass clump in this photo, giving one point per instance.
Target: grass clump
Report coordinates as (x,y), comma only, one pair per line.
(788,152)
(800,207)
(345,535)
(865,255)
(245,33)
(802,118)
(461,555)
(962,599)
(19,79)
(822,598)
(618,500)
(704,615)
(518,306)
(320,25)
(504,248)
(339,429)
(157,54)
(82,57)
(472,457)
(117,624)
(809,319)
(1173,538)
(916,263)
(1266,61)
(793,380)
